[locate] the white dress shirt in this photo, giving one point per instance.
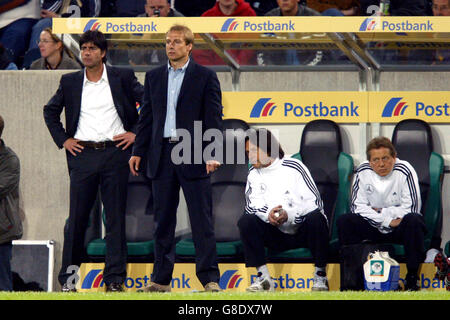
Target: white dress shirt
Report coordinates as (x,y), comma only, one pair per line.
(98,120)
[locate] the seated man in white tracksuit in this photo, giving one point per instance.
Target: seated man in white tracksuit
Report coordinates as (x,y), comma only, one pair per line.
(283,211)
(385,206)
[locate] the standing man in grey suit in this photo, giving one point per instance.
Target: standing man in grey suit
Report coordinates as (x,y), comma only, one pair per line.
(101,118)
(179,96)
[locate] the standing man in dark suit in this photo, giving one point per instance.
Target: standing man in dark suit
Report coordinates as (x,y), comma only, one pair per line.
(179,95)
(101,118)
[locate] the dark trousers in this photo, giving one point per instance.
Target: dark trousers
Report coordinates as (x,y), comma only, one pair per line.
(352,229)
(6,282)
(16,37)
(197,192)
(107,168)
(257,234)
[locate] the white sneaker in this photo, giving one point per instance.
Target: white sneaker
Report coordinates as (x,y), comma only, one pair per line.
(320,283)
(262,284)
(431,254)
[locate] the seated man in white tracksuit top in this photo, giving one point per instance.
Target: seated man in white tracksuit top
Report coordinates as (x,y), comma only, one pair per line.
(386,206)
(283,211)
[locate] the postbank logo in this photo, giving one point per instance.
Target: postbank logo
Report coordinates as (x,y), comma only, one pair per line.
(262,108)
(249,25)
(394,107)
(92,25)
(368,24)
(94,279)
(403,25)
(397,105)
(230,279)
(229,25)
(121,26)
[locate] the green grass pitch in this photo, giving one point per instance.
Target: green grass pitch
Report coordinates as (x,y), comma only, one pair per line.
(332,295)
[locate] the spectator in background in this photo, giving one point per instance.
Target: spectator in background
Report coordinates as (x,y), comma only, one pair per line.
(292,8)
(159,8)
(5,61)
(54,54)
(396,7)
(15,28)
(235,8)
(224,8)
(261,7)
(53,9)
(441,7)
(290,57)
(335,7)
(193,8)
(10,217)
(153,8)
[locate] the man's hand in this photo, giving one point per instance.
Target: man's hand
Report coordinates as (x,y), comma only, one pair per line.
(48,14)
(212,165)
(277,216)
(126,139)
(395,223)
(72,146)
(134,164)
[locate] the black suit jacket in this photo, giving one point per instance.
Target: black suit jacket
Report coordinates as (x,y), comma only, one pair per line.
(125,90)
(200,99)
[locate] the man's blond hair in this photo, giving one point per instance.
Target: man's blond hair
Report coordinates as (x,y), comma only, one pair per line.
(187,33)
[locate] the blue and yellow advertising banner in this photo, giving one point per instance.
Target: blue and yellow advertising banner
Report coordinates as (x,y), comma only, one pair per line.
(296,106)
(430,106)
(288,277)
(339,106)
(254,24)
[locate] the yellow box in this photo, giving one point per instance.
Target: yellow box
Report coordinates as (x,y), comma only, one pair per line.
(296,106)
(394,106)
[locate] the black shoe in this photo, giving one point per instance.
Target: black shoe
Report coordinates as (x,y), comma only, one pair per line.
(67,288)
(412,282)
(114,287)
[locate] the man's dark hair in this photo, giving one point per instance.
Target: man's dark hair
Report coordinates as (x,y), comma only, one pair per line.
(97,38)
(2,125)
(380,142)
(266,141)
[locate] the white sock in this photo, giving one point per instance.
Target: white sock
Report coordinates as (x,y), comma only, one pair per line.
(264,271)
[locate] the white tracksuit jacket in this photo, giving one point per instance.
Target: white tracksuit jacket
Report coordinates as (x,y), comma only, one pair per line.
(286,182)
(397,194)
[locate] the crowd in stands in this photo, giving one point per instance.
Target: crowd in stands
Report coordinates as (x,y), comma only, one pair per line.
(22,21)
